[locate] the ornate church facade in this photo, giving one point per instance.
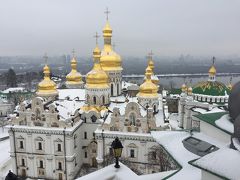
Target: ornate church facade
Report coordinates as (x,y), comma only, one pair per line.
(60,130)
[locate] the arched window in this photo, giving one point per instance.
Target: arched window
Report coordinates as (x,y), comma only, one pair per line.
(132,119)
(94,118)
(111,89)
(117,89)
(88,98)
(38,116)
(103,100)
(94,100)
(155,108)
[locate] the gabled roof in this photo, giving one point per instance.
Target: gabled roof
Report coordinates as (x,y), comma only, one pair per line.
(211,119)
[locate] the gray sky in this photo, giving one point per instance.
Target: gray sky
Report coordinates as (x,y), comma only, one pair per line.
(168,27)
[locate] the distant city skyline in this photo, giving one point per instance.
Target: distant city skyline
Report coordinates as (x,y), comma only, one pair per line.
(167,27)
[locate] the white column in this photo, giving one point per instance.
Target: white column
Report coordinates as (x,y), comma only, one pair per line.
(99,151)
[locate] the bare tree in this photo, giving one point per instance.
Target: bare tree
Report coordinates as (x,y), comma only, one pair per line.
(159,157)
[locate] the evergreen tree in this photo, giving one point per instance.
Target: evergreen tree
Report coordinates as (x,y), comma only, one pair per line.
(11,78)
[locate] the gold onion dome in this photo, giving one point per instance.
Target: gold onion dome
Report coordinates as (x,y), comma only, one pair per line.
(46,87)
(74,77)
(230,86)
(97,77)
(184,87)
(151,64)
(189,90)
(154,78)
(110,60)
(148,88)
(212,70)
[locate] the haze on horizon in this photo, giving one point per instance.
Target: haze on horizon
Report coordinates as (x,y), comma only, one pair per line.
(167,27)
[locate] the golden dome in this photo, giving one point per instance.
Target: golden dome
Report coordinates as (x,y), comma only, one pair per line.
(110,60)
(46,87)
(212,70)
(154,78)
(230,86)
(97,77)
(74,77)
(151,64)
(189,90)
(184,87)
(148,88)
(107,30)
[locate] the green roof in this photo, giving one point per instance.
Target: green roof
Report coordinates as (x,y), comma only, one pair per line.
(212,88)
(210,118)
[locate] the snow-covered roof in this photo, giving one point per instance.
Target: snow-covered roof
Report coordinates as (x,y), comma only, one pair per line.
(4,132)
(68,129)
(127,84)
(172,142)
(215,110)
(122,173)
(72,94)
(224,162)
(200,110)
(69,101)
(133,87)
(4,151)
(218,118)
(67,108)
(123,133)
(118,99)
(225,123)
(15,89)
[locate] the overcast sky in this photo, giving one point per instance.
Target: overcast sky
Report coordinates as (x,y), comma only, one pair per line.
(168,27)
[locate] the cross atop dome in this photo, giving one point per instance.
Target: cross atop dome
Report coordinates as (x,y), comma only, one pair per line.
(45,57)
(150,55)
(73,52)
(213,60)
(107,12)
(96,36)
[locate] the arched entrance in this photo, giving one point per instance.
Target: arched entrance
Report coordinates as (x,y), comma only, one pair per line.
(23,173)
(94,162)
(60,176)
